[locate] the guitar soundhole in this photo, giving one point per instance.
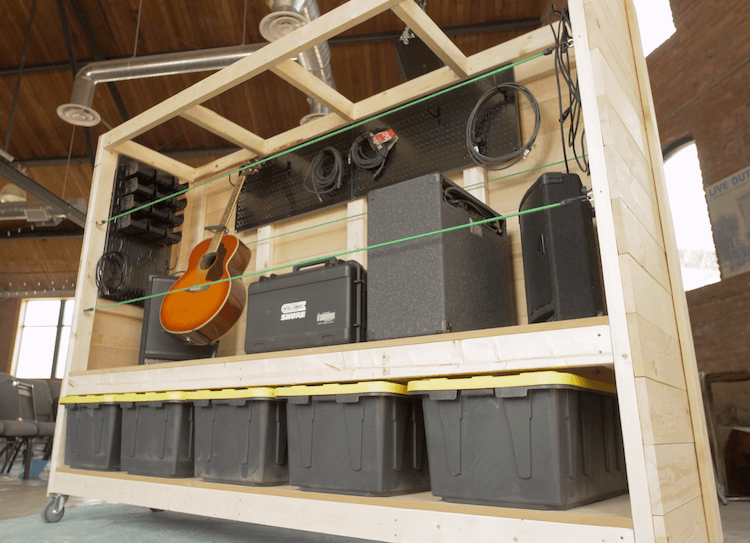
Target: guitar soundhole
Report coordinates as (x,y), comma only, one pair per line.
(208,260)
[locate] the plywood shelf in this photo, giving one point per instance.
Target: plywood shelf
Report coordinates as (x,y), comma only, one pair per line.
(397,518)
(580,343)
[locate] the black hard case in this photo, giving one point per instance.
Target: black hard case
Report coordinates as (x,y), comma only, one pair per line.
(560,254)
(318,303)
(450,282)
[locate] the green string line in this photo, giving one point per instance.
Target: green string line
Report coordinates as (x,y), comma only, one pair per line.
(319,259)
(329,135)
(307,228)
(467,187)
(365,213)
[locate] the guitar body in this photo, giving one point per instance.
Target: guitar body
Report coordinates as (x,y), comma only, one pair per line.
(202,315)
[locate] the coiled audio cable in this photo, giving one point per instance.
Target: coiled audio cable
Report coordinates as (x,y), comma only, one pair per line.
(475,141)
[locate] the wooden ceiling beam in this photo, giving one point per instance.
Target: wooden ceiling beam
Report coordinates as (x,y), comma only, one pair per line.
(429,32)
(294,74)
(224,128)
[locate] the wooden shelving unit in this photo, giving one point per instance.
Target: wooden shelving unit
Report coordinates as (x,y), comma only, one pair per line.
(644,344)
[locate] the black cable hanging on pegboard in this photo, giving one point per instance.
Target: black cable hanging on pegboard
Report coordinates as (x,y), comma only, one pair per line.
(325,172)
(476,128)
(573,113)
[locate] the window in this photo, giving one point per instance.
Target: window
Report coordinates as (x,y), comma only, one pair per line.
(654,22)
(42,339)
(687,200)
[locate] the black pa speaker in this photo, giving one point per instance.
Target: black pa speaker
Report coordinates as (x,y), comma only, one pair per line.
(449,282)
(560,256)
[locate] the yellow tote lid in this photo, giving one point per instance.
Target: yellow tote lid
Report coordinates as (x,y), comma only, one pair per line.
(339,388)
(173,395)
(231,393)
(538,378)
(89,398)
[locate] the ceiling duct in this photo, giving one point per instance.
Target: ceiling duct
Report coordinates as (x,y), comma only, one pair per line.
(79,111)
(38,213)
(285,17)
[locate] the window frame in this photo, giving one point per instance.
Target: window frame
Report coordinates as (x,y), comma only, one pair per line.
(20,325)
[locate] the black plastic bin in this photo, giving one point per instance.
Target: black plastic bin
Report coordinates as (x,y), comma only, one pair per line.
(240,436)
(92,432)
(542,440)
(157,434)
(362,438)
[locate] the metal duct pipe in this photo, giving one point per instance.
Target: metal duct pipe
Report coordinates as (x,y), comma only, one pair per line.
(79,111)
(285,17)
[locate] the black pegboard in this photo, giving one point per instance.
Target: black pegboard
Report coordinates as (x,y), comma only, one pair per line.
(140,256)
(432,138)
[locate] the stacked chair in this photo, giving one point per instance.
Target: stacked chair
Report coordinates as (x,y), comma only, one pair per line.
(25,414)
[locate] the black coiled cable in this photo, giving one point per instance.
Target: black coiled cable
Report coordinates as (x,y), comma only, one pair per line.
(365,161)
(112,272)
(474,141)
(325,172)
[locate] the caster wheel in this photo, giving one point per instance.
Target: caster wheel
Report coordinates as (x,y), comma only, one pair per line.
(49,514)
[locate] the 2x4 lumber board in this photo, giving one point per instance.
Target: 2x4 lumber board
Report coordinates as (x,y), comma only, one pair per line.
(635,240)
(601,173)
(440,44)
(515,49)
(94,236)
(356,230)
(417,517)
(669,415)
(404,359)
(695,399)
(223,165)
(326,26)
(686,524)
(656,354)
(222,127)
(294,74)
(157,160)
(674,470)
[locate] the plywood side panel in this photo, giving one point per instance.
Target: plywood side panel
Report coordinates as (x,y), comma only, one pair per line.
(674,468)
(625,185)
(645,296)
(656,354)
(633,239)
(668,419)
(608,20)
(697,413)
(686,524)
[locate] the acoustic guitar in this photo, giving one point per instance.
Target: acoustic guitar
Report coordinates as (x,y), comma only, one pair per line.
(200,314)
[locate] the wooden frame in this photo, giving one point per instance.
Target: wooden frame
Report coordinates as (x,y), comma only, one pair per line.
(645,340)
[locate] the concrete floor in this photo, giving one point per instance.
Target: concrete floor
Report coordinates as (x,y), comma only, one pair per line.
(93,521)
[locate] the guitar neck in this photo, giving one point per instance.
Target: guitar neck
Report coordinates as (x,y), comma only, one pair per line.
(214,245)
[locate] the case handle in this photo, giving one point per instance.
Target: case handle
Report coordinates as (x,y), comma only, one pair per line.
(328,261)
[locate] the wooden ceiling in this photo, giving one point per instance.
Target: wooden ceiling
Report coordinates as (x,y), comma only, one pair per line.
(266,105)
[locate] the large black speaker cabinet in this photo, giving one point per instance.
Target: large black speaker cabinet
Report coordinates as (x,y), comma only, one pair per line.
(158,345)
(453,281)
(560,255)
